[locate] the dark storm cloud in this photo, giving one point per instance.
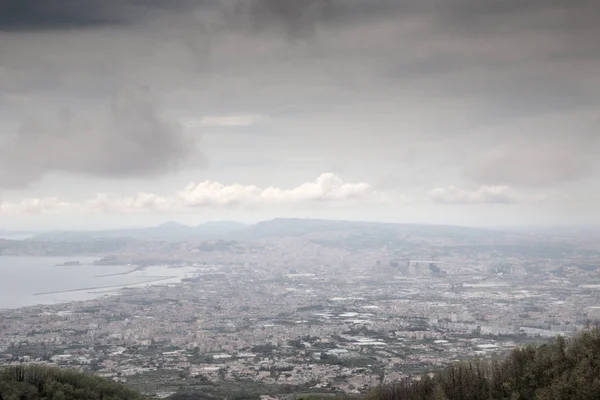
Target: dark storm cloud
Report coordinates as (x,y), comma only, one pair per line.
(129,138)
(36,15)
(17,15)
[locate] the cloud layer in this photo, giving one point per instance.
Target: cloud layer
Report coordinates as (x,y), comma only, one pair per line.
(231,120)
(326,189)
(484,194)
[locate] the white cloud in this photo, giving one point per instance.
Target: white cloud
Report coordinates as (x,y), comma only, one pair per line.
(230,120)
(106,202)
(484,194)
(327,188)
(35,206)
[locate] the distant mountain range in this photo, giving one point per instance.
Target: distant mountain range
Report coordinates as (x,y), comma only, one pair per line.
(16,235)
(286,227)
(280,227)
(167,231)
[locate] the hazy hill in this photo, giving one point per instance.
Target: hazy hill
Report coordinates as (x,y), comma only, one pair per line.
(167,231)
(16,235)
(349,235)
(280,227)
(289,227)
(35,382)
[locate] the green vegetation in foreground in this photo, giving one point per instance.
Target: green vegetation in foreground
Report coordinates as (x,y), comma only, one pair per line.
(561,369)
(35,382)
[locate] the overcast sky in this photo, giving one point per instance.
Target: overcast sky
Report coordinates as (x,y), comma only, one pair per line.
(133,112)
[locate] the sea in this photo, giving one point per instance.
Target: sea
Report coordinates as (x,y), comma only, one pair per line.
(29,281)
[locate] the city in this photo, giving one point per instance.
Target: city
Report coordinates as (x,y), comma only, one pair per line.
(309,314)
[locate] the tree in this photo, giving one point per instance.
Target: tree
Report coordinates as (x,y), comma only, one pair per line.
(438,393)
(36,382)
(560,369)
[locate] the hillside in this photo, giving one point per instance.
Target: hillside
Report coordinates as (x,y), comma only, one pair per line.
(40,382)
(560,369)
(286,227)
(279,227)
(172,231)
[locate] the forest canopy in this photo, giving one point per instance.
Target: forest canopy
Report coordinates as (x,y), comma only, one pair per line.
(33,382)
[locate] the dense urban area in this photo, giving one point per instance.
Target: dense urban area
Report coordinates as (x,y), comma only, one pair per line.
(306,306)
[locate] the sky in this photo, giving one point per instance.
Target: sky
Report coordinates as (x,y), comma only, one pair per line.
(119,113)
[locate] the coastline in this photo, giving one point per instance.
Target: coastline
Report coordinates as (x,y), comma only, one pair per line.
(159,279)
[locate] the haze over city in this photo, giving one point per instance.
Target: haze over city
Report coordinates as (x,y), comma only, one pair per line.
(132,113)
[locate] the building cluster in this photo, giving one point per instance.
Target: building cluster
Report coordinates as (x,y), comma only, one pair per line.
(313,317)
